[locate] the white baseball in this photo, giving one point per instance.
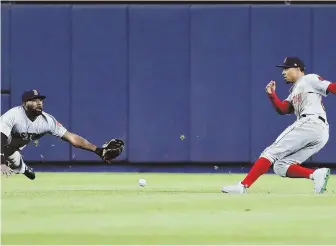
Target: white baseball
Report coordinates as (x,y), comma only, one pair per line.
(142,182)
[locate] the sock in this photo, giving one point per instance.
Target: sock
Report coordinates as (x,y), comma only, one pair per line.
(260,167)
(296,171)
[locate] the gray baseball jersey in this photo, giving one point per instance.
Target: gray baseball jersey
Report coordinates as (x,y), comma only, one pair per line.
(307,135)
(306,95)
(20,130)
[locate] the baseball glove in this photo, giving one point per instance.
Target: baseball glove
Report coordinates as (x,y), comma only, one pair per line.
(111,150)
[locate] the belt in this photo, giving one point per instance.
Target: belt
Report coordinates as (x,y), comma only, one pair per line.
(321,118)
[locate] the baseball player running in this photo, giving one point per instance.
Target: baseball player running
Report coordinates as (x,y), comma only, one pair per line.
(28,122)
(305,137)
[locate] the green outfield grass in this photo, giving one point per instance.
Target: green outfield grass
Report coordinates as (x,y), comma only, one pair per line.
(110,208)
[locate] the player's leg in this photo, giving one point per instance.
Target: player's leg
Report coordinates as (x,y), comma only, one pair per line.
(290,167)
(300,134)
(260,167)
(319,176)
(15,162)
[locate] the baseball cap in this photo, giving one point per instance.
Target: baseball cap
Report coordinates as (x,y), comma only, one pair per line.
(31,94)
(292,62)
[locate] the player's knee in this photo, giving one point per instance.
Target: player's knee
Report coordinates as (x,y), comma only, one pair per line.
(280,169)
(267,155)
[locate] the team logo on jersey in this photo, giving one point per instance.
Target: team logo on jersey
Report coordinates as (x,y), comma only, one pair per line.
(297,99)
(27,136)
(35,92)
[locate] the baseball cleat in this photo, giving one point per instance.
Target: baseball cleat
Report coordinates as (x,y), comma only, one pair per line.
(29,173)
(320,179)
(235,189)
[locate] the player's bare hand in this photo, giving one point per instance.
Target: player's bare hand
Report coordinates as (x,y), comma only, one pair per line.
(6,170)
(270,88)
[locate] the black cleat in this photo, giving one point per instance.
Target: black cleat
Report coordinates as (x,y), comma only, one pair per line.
(29,173)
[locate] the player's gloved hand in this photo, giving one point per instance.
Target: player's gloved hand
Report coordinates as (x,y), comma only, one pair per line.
(6,170)
(270,88)
(111,150)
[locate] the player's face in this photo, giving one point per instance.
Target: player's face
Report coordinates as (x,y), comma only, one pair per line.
(35,106)
(291,74)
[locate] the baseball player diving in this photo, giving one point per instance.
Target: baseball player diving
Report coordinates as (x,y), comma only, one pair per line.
(22,124)
(304,138)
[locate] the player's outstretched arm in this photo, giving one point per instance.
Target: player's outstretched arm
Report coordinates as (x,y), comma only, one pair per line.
(79,142)
(109,151)
(282,107)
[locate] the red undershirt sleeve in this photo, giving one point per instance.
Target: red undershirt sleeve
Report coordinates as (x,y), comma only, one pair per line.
(332,88)
(282,107)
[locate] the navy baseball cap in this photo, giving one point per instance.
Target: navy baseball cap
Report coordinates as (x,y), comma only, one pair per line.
(31,94)
(292,62)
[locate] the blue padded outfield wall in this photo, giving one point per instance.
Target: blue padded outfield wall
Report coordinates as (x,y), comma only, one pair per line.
(151,73)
